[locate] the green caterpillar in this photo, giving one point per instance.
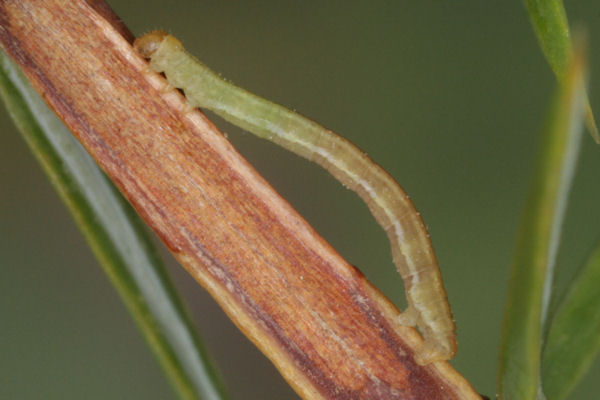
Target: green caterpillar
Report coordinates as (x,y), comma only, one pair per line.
(412,251)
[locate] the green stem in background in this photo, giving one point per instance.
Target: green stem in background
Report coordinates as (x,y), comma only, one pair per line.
(551,27)
(538,240)
(116,236)
(574,338)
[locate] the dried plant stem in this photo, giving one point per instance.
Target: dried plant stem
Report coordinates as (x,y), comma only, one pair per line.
(330,333)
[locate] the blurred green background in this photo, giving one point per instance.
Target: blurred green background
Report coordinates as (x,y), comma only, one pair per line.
(448,96)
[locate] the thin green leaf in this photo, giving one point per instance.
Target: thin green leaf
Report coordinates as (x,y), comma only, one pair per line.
(574,337)
(551,27)
(538,240)
(116,236)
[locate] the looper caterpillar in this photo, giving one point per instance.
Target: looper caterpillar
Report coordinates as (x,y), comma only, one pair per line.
(412,251)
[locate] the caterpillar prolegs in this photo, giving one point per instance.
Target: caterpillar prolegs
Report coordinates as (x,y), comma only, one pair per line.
(412,251)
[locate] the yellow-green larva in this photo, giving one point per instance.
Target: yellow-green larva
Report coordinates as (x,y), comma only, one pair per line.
(412,251)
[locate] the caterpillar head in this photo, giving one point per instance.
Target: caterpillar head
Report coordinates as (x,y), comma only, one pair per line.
(147,45)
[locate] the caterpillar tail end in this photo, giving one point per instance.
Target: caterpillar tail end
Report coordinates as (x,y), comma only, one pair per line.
(435,350)
(436,346)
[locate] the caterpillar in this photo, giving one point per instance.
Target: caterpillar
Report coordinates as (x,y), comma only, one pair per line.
(412,250)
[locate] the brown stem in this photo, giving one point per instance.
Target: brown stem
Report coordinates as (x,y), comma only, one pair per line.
(329,331)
